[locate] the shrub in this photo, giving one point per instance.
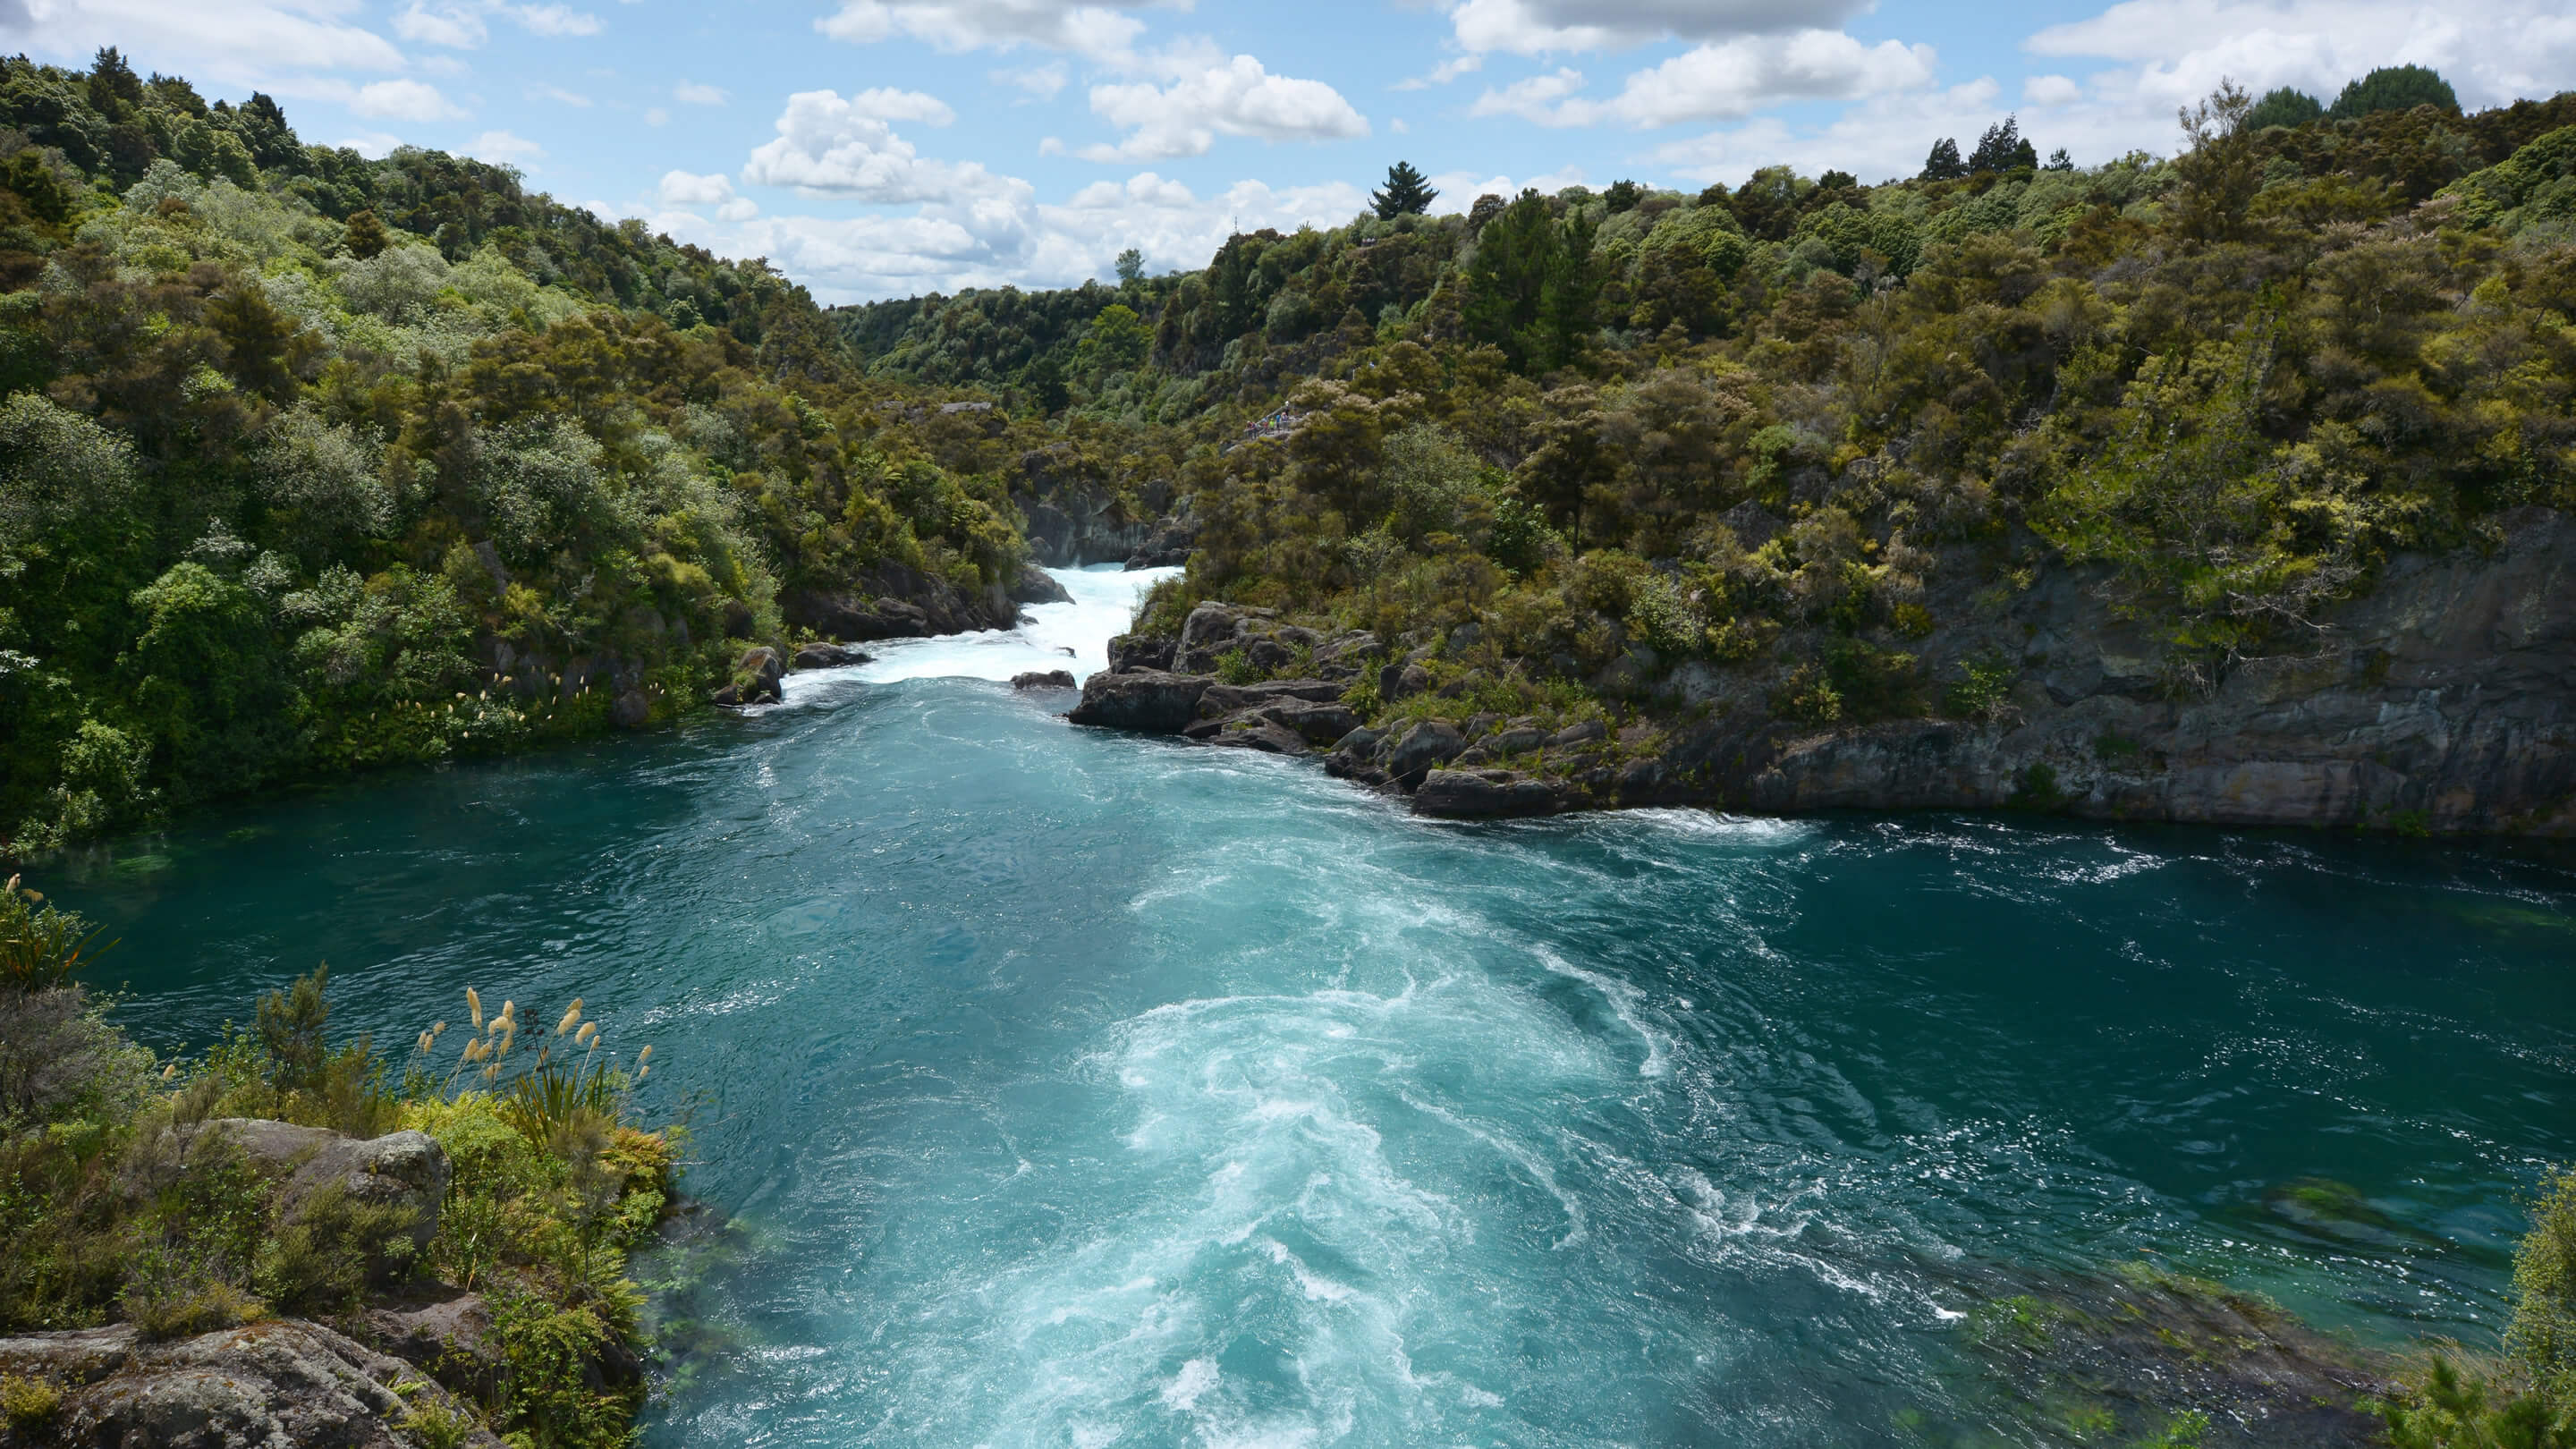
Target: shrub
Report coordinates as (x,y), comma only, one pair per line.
(41,946)
(28,1403)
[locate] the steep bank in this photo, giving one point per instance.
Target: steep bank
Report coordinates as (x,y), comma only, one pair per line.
(2443,699)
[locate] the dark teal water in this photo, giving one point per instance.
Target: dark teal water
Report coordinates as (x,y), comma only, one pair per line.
(1084,1089)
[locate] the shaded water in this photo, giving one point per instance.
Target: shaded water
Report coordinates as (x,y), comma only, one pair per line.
(1083,1089)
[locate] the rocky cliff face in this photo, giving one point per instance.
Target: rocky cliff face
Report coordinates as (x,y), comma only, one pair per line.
(893,601)
(2442,701)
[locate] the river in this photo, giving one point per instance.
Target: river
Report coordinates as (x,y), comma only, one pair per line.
(1082,1089)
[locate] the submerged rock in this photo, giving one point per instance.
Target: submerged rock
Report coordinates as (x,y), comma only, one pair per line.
(2142,1352)
(1044,679)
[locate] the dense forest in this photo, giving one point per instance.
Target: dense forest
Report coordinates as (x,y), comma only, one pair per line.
(314,462)
(310,462)
(1585,447)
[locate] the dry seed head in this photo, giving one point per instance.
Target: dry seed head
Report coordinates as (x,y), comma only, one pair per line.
(571,1015)
(644,1056)
(424,1042)
(169,1071)
(642,1072)
(589,1033)
(474,1004)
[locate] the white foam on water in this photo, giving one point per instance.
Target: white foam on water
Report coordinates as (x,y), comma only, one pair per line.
(1073,637)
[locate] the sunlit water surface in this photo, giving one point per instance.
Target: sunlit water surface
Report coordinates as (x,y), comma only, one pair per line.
(1082,1089)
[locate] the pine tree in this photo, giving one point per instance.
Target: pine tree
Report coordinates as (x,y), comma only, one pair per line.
(2002,148)
(1408,192)
(1944,163)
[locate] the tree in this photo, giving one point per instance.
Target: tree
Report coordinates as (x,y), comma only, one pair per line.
(1622,196)
(1532,286)
(115,90)
(2002,148)
(2284,107)
(365,236)
(2393,88)
(1131,266)
(2219,170)
(1408,193)
(1944,163)
(2058,160)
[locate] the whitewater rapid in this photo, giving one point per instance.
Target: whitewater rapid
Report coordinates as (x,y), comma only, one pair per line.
(1077,1088)
(1071,636)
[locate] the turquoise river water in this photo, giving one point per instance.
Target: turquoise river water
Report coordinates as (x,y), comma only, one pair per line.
(1082,1089)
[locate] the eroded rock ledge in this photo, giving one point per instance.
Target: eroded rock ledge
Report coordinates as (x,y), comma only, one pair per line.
(2442,701)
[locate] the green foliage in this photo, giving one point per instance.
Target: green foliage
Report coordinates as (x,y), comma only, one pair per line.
(309,462)
(1407,193)
(2534,187)
(2456,1411)
(1983,688)
(28,1404)
(2543,1335)
(2284,106)
(42,946)
(2393,88)
(112,1214)
(1532,286)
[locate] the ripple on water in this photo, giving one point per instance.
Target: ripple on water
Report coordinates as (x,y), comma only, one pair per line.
(1080,1089)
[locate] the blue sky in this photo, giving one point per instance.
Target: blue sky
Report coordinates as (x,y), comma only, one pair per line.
(886,147)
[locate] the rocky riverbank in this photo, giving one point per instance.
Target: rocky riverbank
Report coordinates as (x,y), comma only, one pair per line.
(2443,700)
(408,1361)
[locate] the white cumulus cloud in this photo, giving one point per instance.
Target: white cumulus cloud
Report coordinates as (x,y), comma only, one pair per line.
(1235,97)
(688,193)
(207,40)
(402,100)
(2175,51)
(1723,81)
(503,148)
(828,146)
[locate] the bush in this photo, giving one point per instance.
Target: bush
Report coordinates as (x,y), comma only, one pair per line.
(41,946)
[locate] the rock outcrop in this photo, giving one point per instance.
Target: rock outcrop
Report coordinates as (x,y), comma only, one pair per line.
(821,655)
(1168,545)
(2442,700)
(1044,679)
(1147,701)
(268,1385)
(894,601)
(756,678)
(1037,586)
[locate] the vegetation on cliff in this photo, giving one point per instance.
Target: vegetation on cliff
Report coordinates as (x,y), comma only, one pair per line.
(310,462)
(1780,436)
(132,1191)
